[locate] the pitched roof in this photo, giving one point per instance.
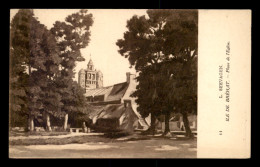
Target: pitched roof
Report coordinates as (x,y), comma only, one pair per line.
(118,91)
(94,110)
(98,91)
(115,92)
(106,111)
(112,111)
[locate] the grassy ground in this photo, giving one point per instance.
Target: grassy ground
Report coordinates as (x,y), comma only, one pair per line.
(154,147)
(17,133)
(60,141)
(99,146)
(74,139)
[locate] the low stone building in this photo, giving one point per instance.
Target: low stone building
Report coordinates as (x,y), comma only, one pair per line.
(113,102)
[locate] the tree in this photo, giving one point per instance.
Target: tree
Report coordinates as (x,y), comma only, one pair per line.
(166,36)
(142,45)
(17,97)
(178,91)
(19,62)
(47,87)
(181,45)
(166,73)
(45,52)
(182,89)
(18,59)
(71,36)
(148,100)
(80,106)
(36,45)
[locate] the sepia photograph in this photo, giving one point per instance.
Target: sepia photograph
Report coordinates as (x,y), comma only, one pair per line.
(91,83)
(112,83)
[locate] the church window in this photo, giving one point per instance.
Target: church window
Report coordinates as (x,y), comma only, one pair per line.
(89,76)
(93,76)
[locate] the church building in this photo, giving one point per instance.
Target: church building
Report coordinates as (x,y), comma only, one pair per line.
(115,104)
(90,78)
(111,102)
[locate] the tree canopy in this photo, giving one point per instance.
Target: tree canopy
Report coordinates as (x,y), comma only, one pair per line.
(71,36)
(163,48)
(42,63)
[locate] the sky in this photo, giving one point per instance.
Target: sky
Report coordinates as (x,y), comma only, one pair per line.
(109,26)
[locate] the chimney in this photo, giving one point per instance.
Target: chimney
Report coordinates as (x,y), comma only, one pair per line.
(129,77)
(127,103)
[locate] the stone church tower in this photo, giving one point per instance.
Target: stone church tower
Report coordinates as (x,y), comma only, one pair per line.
(90,78)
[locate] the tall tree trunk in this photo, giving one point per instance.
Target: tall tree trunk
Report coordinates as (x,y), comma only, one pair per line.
(167,123)
(152,123)
(27,125)
(31,122)
(151,129)
(189,134)
(48,122)
(66,121)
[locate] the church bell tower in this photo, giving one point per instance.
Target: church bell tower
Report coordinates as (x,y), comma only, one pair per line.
(90,78)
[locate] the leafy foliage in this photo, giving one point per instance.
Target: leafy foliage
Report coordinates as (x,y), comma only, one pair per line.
(71,36)
(163,48)
(42,63)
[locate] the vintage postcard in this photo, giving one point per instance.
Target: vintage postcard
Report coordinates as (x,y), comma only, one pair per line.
(129,83)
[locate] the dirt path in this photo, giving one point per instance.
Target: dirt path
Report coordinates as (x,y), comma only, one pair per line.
(154,148)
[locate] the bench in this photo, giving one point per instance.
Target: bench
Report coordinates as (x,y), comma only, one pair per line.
(20,129)
(77,130)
